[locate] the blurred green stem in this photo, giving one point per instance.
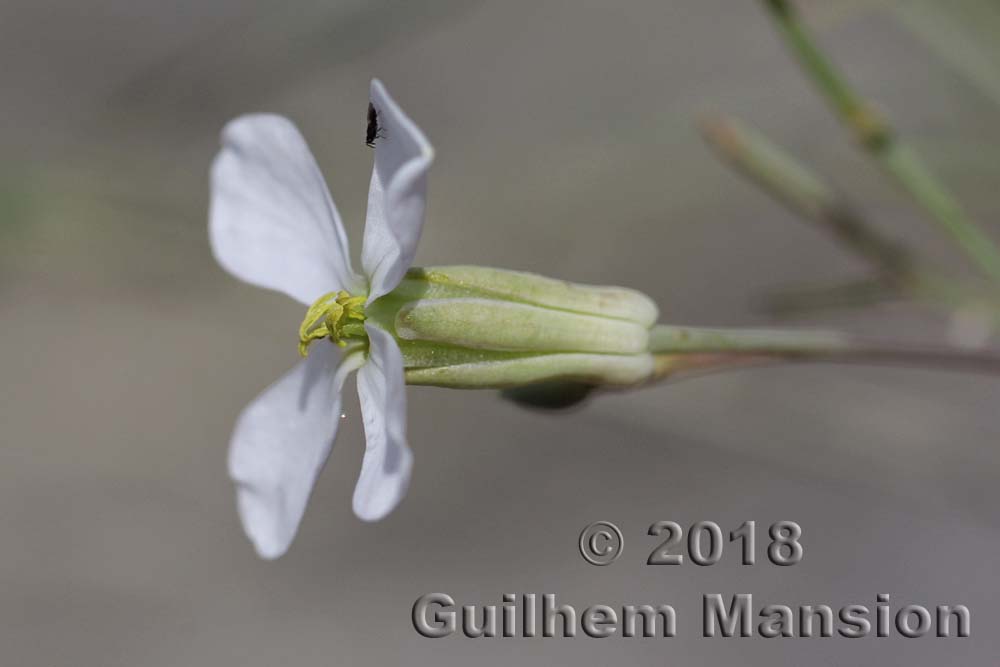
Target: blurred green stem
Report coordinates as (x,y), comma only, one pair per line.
(877,137)
(803,191)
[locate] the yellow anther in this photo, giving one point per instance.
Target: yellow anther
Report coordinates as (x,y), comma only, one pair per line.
(337,316)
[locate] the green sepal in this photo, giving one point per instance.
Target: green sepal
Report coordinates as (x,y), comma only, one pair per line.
(503,325)
(599,369)
(438,282)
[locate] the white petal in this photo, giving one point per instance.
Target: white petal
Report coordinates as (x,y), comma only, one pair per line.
(385,471)
(272,222)
(280,443)
(396,197)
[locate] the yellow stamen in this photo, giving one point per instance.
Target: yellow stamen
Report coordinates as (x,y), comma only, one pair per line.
(335,315)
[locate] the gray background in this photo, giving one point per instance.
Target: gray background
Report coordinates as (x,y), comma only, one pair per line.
(565,145)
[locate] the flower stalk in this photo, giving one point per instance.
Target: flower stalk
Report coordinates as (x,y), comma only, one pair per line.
(719,348)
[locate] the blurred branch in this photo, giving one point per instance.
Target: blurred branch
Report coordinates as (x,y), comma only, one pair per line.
(803,191)
(877,137)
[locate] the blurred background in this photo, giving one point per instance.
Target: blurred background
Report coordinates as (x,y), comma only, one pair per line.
(566,144)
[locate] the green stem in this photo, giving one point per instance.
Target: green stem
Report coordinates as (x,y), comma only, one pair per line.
(668,339)
(736,346)
(877,137)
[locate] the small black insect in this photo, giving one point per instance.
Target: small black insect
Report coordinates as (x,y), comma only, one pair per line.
(374,131)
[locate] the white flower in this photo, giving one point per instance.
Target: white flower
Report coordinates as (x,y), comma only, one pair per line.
(273,224)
